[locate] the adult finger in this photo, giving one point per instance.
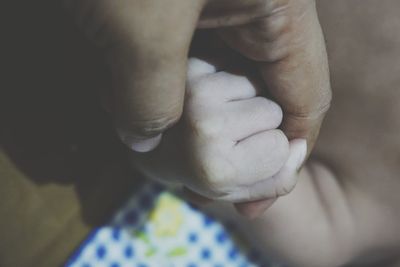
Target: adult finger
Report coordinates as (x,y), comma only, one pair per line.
(146,43)
(289,49)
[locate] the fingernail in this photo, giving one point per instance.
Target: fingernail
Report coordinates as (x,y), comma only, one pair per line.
(302,153)
(254,209)
(139,144)
(298,152)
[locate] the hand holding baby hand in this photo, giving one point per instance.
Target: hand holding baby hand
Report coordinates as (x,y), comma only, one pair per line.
(227,146)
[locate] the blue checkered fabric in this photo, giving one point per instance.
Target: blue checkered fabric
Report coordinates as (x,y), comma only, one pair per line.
(155,228)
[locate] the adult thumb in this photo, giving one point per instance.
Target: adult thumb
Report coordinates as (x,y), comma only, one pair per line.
(146,43)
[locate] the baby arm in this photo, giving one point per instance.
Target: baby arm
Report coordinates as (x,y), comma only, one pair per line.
(346,218)
(227,147)
(311,226)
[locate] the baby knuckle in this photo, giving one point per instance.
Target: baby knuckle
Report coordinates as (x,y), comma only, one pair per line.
(199,89)
(279,141)
(268,107)
(205,126)
(280,149)
(218,174)
(218,178)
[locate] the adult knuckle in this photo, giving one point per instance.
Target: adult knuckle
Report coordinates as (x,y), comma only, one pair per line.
(326,100)
(279,32)
(322,108)
(316,110)
(272,27)
(154,126)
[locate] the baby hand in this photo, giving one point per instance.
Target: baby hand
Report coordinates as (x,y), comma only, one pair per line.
(227,146)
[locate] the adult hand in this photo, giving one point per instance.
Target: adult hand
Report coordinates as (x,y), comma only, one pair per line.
(147,41)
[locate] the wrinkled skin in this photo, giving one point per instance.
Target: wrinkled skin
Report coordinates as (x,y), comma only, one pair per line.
(147,43)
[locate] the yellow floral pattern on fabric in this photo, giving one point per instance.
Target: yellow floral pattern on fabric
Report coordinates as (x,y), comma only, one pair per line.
(156,228)
(167,215)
